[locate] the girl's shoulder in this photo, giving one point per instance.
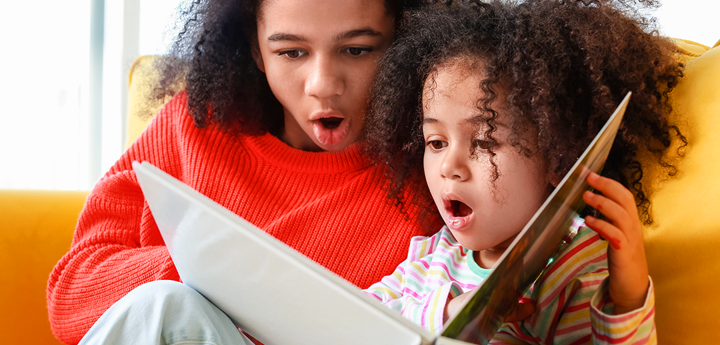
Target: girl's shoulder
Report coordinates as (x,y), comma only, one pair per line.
(174,125)
(171,118)
(175,111)
(441,243)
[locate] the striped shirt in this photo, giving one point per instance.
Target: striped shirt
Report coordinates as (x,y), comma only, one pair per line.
(573,305)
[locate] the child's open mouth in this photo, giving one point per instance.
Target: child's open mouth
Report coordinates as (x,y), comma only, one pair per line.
(458,213)
(331,130)
(459,209)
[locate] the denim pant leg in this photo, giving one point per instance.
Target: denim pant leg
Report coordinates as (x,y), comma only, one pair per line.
(164,312)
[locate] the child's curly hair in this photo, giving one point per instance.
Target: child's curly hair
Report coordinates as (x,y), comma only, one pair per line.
(564,66)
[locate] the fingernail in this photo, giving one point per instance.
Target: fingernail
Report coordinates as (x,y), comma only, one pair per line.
(615,243)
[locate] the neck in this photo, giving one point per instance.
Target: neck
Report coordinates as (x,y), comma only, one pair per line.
(487,258)
(298,143)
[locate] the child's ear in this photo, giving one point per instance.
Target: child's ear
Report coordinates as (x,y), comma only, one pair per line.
(257,56)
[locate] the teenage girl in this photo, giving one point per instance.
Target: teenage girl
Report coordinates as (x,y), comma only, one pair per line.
(491,104)
(268,126)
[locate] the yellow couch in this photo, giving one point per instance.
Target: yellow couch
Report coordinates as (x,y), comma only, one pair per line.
(37,228)
(683,246)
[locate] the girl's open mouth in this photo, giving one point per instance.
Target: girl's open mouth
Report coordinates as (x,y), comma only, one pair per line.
(458,213)
(331,130)
(459,209)
(331,122)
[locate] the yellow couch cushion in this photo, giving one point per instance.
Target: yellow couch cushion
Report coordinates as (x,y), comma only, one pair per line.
(37,228)
(683,244)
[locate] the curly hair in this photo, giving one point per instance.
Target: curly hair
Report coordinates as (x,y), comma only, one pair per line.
(563,67)
(211,57)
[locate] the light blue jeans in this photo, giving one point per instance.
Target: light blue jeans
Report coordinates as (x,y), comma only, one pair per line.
(164,312)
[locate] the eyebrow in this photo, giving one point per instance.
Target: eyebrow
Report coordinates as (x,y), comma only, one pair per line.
(475,120)
(357,33)
(286,37)
(280,36)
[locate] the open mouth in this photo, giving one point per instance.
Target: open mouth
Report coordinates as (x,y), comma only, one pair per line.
(331,130)
(331,122)
(458,213)
(459,209)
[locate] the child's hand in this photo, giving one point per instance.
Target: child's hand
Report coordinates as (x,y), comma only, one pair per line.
(454,305)
(626,254)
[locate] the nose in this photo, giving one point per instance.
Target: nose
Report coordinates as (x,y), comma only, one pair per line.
(454,164)
(325,79)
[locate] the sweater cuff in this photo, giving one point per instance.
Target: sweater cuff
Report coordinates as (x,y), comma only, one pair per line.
(631,327)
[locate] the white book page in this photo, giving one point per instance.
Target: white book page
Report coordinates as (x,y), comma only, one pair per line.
(267,288)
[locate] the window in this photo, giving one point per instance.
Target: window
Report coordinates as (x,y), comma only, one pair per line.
(695,20)
(48,139)
(44,94)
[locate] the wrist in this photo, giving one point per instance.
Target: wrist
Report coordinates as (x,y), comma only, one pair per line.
(621,309)
(626,305)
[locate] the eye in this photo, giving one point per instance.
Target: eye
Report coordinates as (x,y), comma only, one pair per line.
(483,145)
(293,53)
(358,51)
(436,145)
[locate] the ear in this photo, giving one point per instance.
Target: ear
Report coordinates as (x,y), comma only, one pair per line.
(257,56)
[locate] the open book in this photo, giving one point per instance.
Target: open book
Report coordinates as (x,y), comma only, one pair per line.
(280,296)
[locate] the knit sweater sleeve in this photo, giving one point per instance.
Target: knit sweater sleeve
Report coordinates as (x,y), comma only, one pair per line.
(116,246)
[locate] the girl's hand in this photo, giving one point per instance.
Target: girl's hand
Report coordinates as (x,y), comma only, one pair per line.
(454,305)
(626,253)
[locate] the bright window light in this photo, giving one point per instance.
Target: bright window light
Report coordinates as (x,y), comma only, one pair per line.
(43,94)
(694,20)
(157,35)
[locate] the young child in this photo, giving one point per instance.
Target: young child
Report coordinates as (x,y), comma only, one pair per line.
(492,104)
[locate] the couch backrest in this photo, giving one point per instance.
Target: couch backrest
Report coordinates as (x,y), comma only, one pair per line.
(141,105)
(683,244)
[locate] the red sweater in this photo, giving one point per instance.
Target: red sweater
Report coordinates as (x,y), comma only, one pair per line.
(332,207)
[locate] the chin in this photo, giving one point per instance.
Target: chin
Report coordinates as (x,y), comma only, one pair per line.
(335,147)
(468,242)
(476,241)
